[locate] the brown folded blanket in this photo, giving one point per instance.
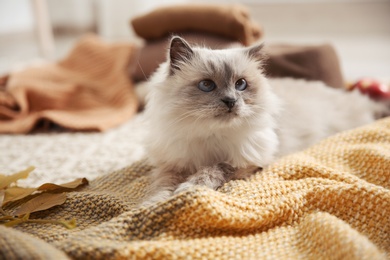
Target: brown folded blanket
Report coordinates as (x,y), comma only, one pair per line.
(311,62)
(88,90)
(230,21)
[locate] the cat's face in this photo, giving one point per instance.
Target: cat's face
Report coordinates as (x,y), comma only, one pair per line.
(217,87)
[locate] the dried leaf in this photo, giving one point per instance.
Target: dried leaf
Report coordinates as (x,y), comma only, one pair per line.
(6,218)
(14,222)
(66,186)
(41,202)
(41,198)
(68,224)
(6,180)
(2,196)
(16,193)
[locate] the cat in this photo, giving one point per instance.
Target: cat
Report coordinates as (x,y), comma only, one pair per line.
(213,116)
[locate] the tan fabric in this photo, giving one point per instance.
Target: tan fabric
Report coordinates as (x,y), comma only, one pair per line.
(231,21)
(28,247)
(328,202)
(311,62)
(88,90)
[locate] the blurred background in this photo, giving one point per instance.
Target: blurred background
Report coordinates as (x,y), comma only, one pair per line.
(31,30)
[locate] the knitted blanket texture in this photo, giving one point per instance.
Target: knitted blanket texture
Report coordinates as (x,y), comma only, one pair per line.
(331,201)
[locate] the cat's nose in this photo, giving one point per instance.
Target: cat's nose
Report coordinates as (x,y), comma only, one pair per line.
(229,102)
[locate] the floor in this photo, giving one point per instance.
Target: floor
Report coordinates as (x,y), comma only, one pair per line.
(360,32)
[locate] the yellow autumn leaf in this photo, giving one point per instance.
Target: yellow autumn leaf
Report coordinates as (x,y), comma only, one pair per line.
(57,187)
(16,193)
(41,202)
(6,180)
(12,221)
(2,196)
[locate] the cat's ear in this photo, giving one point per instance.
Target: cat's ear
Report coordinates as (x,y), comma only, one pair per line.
(256,52)
(179,51)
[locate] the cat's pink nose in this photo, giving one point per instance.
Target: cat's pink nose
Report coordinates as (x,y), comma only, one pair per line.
(229,102)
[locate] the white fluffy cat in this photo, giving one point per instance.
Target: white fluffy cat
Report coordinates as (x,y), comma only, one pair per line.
(213,116)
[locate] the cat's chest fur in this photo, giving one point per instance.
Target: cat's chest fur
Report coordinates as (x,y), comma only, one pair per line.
(199,146)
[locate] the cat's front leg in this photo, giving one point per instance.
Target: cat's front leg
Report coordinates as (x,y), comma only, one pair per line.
(210,176)
(215,176)
(164,181)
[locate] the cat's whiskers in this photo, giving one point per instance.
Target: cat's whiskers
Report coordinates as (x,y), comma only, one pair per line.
(200,116)
(247,120)
(179,119)
(139,64)
(198,113)
(257,106)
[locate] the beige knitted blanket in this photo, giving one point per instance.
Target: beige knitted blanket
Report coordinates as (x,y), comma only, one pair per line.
(331,201)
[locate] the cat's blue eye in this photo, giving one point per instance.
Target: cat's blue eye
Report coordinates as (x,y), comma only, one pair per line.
(207,85)
(241,84)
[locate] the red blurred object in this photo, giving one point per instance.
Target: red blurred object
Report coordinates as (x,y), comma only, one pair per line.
(374,88)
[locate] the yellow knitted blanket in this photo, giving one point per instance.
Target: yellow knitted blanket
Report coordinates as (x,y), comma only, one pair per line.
(331,201)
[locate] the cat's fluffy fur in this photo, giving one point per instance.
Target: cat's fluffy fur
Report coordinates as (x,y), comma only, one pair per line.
(196,139)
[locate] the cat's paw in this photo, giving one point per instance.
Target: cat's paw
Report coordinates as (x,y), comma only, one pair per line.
(228,170)
(184,187)
(212,177)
